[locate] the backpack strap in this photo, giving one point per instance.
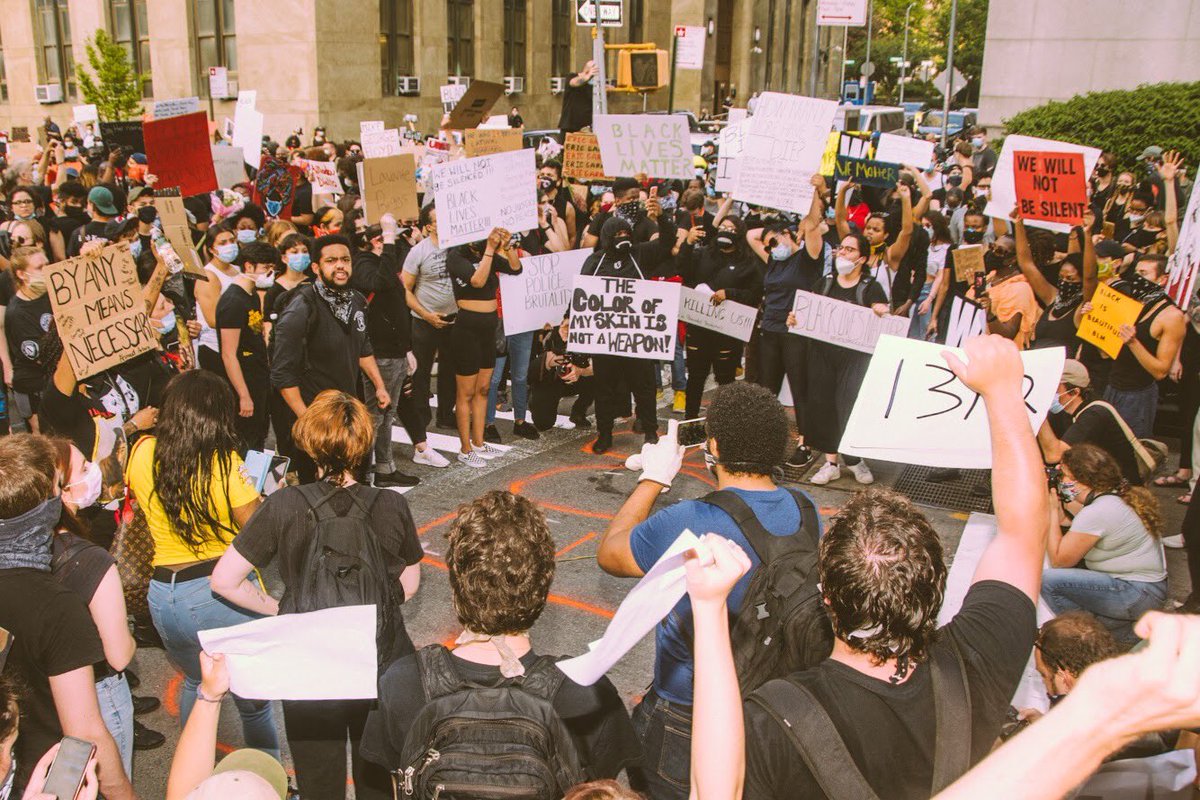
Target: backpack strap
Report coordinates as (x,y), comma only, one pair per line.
(952,717)
(543,679)
(764,543)
(318,501)
(1148,462)
(439,677)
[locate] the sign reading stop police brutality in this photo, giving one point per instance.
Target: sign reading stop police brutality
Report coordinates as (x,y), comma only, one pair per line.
(656,145)
(624,317)
(1050,187)
(541,292)
(782,151)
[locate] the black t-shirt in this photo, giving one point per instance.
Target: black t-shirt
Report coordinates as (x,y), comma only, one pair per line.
(25,323)
(67,224)
(53,634)
(314,350)
(461,269)
(89,232)
(1096,425)
(79,565)
(239,309)
(888,729)
(872,293)
(576,106)
(594,715)
(1141,238)
(685,220)
(7,288)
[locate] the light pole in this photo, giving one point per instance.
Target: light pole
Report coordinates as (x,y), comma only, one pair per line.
(904,58)
(867,94)
(949,71)
(841,91)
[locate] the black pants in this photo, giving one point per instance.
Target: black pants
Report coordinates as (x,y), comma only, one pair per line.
(253,429)
(783,355)
(545,395)
(835,374)
(317,731)
(638,376)
(717,354)
(426,341)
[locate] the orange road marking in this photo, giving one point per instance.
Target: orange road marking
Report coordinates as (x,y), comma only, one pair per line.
(585,538)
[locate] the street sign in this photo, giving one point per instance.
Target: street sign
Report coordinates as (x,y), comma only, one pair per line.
(610,12)
(218,82)
(939,82)
(689,46)
(849,13)
(867,69)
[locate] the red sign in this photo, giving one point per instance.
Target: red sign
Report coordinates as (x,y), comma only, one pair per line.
(275,187)
(179,153)
(1050,187)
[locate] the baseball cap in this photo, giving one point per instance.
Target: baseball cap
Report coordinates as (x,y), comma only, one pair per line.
(245,774)
(102,199)
(1075,374)
(1153,151)
(138,191)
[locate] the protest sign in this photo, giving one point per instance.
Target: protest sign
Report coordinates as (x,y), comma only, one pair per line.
(905,150)
(487,141)
(782,151)
(495,122)
(20,133)
(912,409)
(1050,187)
(179,153)
(540,294)
(623,317)
(170,207)
(85,113)
(126,133)
(866,173)
(473,107)
(581,158)
(737,115)
(275,187)
(229,165)
(1110,310)
(1004,193)
(1185,261)
(100,310)
(389,186)
(165,109)
(173,217)
(369,126)
(323,176)
(732,319)
(968,259)
(656,145)
(248,98)
(844,324)
(475,195)
(451,93)
(730,144)
(966,320)
(248,133)
(381,144)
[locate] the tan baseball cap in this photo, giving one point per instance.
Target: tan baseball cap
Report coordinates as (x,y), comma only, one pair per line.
(1075,374)
(245,774)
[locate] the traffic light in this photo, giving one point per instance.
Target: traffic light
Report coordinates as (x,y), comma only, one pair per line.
(643,69)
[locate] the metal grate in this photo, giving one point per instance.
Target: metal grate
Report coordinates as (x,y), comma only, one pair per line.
(954,494)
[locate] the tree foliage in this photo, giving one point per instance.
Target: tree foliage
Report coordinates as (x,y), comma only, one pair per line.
(113,85)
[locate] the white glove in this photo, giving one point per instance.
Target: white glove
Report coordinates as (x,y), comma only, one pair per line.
(661,461)
(411,360)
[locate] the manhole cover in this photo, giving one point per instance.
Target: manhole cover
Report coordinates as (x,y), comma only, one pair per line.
(961,494)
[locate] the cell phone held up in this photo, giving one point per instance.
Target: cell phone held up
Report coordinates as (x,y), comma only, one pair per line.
(65,778)
(980,284)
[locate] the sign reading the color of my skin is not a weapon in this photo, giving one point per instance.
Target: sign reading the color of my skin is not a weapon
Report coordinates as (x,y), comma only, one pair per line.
(1110,310)
(624,317)
(1050,187)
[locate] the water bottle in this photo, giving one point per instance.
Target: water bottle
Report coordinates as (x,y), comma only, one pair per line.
(166,252)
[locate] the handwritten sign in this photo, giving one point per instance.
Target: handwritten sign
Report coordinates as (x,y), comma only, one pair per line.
(487,141)
(381,144)
(389,186)
(473,107)
(912,409)
(229,164)
(370,126)
(475,195)
(782,151)
(173,217)
(1050,187)
(1185,261)
(968,259)
(323,176)
(451,93)
(581,158)
(19,133)
(274,187)
(844,324)
(656,145)
(866,173)
(966,320)
(100,309)
(730,144)
(906,150)
(1110,310)
(732,319)
(176,107)
(1004,192)
(85,113)
(623,317)
(541,293)
(124,133)
(179,153)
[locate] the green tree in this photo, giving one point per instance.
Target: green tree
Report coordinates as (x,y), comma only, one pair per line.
(113,85)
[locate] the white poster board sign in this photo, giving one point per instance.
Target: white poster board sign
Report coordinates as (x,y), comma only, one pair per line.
(966,321)
(655,145)
(451,93)
(323,176)
(381,144)
(248,132)
(844,324)
(783,149)
(623,317)
(732,319)
(1186,259)
(229,165)
(176,107)
(689,46)
(730,143)
(369,126)
(475,195)
(541,293)
(847,13)
(1004,192)
(737,115)
(913,410)
(906,150)
(86,113)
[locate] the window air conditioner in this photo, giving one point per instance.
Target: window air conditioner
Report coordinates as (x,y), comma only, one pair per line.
(408,85)
(557,85)
(48,93)
(459,80)
(514,84)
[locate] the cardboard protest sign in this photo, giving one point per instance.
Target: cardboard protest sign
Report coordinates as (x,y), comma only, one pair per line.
(175,107)
(623,317)
(475,195)
(125,133)
(783,150)
(169,204)
(248,133)
(656,145)
(1004,193)
(389,186)
(274,187)
(1110,310)
(100,310)
(541,293)
(844,324)
(912,409)
(229,164)
(486,141)
(729,318)
(1185,261)
(173,217)
(473,107)
(323,176)
(906,150)
(179,153)
(381,144)
(966,320)
(968,259)
(581,158)
(1050,187)
(19,133)
(867,173)
(730,144)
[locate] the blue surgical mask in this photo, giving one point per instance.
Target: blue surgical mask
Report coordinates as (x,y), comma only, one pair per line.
(227,252)
(978,141)
(298,262)
(166,324)
(246,236)
(781,252)
(1055,406)
(135,249)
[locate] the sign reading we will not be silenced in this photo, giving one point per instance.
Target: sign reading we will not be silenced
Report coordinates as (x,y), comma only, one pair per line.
(1110,310)
(541,293)
(1051,187)
(100,310)
(474,195)
(624,317)
(655,145)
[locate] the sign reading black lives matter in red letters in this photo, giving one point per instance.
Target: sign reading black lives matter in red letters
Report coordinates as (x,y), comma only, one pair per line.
(624,317)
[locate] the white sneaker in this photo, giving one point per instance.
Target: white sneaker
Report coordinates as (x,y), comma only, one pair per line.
(1174,542)
(487,452)
(430,458)
(862,473)
(565,424)
(829,471)
(472,459)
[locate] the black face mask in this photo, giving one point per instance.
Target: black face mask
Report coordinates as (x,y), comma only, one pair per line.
(954,180)
(633,213)
(1102,172)
(1144,290)
(994,262)
(971,236)
(724,240)
(545,184)
(622,245)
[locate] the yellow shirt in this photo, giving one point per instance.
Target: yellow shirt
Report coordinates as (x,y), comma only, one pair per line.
(168,547)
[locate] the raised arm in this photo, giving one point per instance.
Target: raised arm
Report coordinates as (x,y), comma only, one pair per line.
(839,210)
(1042,288)
(926,195)
(895,253)
(722,210)
(1170,167)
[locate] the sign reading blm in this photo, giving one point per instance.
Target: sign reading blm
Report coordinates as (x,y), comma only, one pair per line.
(624,317)
(100,310)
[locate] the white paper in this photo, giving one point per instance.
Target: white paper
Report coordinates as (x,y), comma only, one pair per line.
(912,409)
(369,126)
(904,150)
(966,320)
(689,48)
(495,122)
(730,318)
(248,133)
(656,145)
(1004,192)
(844,324)
(229,164)
(659,590)
(85,113)
(323,176)
(541,293)
(737,115)
(248,97)
(320,655)
(451,93)
(730,144)
(1164,777)
(1186,259)
(475,195)
(783,149)
(381,144)
(176,107)
(623,317)
(218,82)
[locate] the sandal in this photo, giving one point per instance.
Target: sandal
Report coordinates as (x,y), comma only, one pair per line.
(1184,499)
(1168,481)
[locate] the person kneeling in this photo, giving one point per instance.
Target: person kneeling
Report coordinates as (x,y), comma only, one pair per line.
(556,374)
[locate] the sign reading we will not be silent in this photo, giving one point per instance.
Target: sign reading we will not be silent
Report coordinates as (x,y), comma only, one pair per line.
(1050,187)
(624,317)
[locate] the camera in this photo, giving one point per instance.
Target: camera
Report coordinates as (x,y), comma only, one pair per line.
(571,360)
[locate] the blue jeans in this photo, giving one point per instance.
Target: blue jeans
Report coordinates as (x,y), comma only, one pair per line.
(665,732)
(916,328)
(116,707)
(180,610)
(1116,602)
(1137,407)
(520,347)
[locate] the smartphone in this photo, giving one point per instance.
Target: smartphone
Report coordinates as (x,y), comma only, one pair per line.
(689,432)
(980,284)
(65,778)
(267,470)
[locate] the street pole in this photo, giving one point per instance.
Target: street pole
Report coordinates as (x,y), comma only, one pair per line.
(600,81)
(949,71)
(904,58)
(867,98)
(671,88)
(841,87)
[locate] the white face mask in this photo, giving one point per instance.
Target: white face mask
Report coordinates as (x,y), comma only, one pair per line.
(166,324)
(85,491)
(264,281)
(844,265)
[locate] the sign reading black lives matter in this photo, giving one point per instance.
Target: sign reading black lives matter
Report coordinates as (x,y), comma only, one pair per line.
(100,310)
(624,317)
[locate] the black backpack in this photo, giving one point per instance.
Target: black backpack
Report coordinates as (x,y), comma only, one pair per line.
(781,626)
(502,741)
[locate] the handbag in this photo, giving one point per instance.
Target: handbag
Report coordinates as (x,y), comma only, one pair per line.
(133,550)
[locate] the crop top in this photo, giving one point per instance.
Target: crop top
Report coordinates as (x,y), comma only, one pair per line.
(461,269)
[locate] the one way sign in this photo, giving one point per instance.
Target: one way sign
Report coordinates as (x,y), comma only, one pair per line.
(609,11)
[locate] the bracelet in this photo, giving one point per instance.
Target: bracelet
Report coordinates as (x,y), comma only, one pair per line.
(200,696)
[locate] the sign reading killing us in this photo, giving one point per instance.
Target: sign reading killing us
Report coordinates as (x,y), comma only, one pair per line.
(624,317)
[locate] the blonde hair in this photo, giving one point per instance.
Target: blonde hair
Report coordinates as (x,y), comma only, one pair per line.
(277,230)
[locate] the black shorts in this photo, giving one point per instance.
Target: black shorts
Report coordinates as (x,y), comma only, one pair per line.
(473,341)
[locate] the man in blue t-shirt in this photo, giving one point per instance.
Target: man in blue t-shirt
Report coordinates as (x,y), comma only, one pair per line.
(748,439)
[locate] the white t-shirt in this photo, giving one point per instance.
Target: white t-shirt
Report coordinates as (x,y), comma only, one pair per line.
(1125,548)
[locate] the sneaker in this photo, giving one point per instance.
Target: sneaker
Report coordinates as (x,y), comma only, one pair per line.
(802,458)
(680,404)
(829,471)
(602,444)
(565,424)
(430,458)
(487,452)
(581,421)
(862,473)
(1174,542)
(386,479)
(525,430)
(146,739)
(145,705)
(490,434)
(472,459)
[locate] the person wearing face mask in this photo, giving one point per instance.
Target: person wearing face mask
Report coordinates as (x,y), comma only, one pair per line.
(239,324)
(1008,301)
(221,246)
(938,270)
(1103,182)
(559,196)
(70,199)
(1138,233)
(102,207)
(1116,208)
(248,223)
(26,322)
(1062,300)
(296,261)
(984,158)
(629,206)
(884,259)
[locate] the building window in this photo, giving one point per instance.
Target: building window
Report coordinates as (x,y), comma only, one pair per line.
(514,37)
(395,41)
(460,32)
(563,27)
(131,30)
(216,38)
(55,58)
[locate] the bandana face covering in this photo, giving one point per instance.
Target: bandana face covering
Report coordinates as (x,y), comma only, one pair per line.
(340,301)
(1069,295)
(510,665)
(1145,291)
(25,540)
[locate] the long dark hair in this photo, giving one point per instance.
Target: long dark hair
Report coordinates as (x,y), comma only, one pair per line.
(1094,467)
(196,438)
